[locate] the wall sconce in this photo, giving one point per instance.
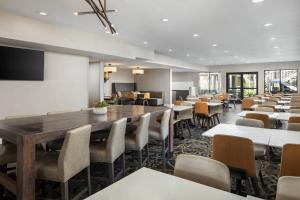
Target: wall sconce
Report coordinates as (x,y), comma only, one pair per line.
(138,71)
(107,70)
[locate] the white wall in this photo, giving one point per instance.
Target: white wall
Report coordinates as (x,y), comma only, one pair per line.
(65,87)
(159,80)
(184,80)
(255,68)
(121,76)
(94,83)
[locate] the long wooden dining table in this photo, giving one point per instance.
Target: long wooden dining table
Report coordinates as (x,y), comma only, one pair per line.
(29,131)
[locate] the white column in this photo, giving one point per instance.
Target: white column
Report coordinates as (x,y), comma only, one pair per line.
(101,81)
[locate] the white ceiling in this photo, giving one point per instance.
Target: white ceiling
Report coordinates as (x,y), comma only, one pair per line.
(235,25)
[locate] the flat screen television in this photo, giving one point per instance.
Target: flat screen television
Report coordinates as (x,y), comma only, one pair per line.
(21,64)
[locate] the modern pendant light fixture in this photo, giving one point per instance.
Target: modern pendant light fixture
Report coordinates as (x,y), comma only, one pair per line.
(107,70)
(138,71)
(101,12)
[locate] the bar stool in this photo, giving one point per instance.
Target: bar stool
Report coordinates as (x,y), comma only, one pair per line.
(290,165)
(203,170)
(110,150)
(138,140)
(72,159)
(238,154)
(161,133)
(288,188)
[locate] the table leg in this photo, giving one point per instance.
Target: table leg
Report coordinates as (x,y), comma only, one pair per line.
(25,168)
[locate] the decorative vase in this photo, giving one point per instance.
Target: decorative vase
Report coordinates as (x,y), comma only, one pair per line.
(100,111)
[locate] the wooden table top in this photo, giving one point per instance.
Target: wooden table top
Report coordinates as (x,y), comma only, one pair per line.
(47,127)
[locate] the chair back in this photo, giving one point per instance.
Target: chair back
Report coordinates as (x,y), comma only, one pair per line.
(201,108)
(115,145)
(247,103)
(235,152)
(263,117)
(250,122)
(164,125)
(294,120)
(269,103)
(293,126)
(264,109)
(290,165)
(204,99)
(147,95)
(142,131)
(178,102)
(288,188)
(75,153)
(295,103)
(203,170)
(294,110)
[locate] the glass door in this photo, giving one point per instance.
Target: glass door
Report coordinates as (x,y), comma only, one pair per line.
(242,84)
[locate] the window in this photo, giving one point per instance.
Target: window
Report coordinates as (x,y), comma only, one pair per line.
(209,82)
(281,80)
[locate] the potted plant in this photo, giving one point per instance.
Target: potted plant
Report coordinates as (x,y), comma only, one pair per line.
(100,108)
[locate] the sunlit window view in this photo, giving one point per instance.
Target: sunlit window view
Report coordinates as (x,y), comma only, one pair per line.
(209,83)
(281,81)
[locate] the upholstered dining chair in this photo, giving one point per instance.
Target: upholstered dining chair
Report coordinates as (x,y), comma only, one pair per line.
(73,158)
(161,133)
(138,140)
(238,154)
(203,170)
(290,165)
(183,118)
(263,117)
(269,103)
(293,126)
(288,188)
(294,120)
(110,150)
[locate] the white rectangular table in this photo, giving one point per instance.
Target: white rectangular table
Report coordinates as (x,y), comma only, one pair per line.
(284,102)
(181,108)
(257,135)
(147,184)
(259,101)
(283,116)
(277,107)
(283,137)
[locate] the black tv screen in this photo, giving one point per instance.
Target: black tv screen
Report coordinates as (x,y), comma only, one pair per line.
(21,64)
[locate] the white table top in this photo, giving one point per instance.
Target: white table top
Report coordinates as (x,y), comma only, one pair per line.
(259,100)
(208,103)
(257,135)
(147,184)
(272,115)
(269,137)
(284,102)
(277,107)
(286,98)
(181,108)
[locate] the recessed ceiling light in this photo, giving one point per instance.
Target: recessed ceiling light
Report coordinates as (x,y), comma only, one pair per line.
(188,55)
(164,19)
(170,50)
(257,1)
(196,35)
(226,51)
(268,24)
(145,42)
(273,38)
(276,47)
(43,13)
(75,13)
(214,45)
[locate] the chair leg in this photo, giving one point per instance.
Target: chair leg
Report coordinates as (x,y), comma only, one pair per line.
(188,127)
(164,155)
(64,191)
(111,172)
(89,180)
(255,186)
(123,164)
(261,178)
(140,158)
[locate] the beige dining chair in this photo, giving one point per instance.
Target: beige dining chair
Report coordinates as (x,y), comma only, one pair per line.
(293,126)
(269,103)
(110,150)
(138,140)
(161,133)
(73,158)
(294,110)
(183,118)
(203,170)
(288,188)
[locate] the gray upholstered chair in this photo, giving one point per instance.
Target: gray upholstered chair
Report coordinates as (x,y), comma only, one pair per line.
(259,150)
(161,133)
(293,126)
(203,170)
(183,118)
(72,159)
(110,150)
(288,188)
(138,140)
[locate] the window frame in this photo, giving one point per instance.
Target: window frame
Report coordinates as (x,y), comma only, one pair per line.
(280,78)
(209,80)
